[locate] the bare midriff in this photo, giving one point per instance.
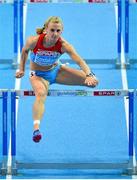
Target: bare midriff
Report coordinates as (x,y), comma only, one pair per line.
(36,67)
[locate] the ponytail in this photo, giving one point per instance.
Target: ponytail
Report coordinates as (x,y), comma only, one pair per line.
(40,30)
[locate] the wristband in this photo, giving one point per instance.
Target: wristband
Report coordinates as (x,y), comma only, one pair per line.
(91,74)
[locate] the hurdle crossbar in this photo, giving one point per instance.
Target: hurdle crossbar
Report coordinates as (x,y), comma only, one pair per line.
(127,166)
(56,92)
(55,1)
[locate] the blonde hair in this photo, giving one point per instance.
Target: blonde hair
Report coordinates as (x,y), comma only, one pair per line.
(53,19)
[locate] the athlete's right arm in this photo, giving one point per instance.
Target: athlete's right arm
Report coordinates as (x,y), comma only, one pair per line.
(30,44)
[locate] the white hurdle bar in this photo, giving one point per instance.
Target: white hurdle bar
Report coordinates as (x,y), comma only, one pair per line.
(56,92)
(126,167)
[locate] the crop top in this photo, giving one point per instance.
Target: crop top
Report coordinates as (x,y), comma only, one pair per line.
(46,56)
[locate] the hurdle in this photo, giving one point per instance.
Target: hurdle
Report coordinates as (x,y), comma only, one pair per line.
(118,3)
(127,167)
(3,164)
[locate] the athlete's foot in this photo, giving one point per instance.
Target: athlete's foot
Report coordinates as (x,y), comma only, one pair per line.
(37,136)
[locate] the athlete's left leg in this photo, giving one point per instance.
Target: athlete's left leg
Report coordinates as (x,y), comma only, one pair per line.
(71,76)
(40,87)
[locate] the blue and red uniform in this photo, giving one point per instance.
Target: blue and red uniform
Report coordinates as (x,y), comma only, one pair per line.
(47,56)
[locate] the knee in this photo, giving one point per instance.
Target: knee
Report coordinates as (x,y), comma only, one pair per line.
(40,95)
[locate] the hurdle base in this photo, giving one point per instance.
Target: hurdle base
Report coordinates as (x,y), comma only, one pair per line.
(134,170)
(118,65)
(122,65)
(3,171)
(130,171)
(127,65)
(15,65)
(124,167)
(3,165)
(12,170)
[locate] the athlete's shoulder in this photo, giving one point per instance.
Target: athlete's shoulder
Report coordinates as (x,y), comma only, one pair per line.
(63,40)
(32,41)
(66,46)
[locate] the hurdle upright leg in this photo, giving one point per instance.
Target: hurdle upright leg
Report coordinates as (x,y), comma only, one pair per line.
(15,6)
(118,63)
(131,170)
(135,131)
(4,132)
(127,33)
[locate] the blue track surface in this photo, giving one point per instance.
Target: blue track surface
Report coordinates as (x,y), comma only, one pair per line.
(77,129)
(6,29)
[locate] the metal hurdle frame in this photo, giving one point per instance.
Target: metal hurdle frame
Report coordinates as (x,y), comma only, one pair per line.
(21,2)
(19,41)
(126,167)
(116,61)
(18,26)
(15,7)
(127,32)
(3,164)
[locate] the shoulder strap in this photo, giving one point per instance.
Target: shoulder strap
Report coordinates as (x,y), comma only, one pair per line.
(39,42)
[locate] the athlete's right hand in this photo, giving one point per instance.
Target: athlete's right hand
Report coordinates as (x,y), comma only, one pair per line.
(19,74)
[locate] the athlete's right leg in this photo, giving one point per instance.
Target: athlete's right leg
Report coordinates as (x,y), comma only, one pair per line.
(40,87)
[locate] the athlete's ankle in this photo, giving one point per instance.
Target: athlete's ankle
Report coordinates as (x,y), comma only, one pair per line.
(36,124)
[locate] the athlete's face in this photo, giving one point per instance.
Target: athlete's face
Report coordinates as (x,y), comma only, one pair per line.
(54,31)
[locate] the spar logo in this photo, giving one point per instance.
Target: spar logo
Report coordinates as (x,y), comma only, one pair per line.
(104,93)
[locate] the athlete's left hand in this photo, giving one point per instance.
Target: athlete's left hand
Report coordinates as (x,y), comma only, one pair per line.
(91,81)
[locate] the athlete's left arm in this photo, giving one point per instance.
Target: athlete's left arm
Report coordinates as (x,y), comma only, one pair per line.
(69,49)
